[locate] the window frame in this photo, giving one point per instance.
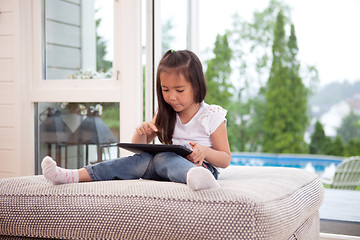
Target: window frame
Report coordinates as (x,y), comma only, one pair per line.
(127,65)
(72,90)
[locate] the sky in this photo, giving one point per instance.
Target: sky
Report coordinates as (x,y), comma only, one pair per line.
(327,30)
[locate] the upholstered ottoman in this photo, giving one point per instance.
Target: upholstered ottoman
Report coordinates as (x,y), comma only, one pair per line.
(253,203)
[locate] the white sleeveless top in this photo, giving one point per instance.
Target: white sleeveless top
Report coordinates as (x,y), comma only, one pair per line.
(200,127)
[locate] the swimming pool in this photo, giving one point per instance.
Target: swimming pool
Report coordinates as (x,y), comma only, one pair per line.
(322,165)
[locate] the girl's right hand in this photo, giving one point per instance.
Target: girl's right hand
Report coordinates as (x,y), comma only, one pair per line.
(147,128)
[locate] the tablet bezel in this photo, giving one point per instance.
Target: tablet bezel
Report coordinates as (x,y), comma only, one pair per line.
(155,148)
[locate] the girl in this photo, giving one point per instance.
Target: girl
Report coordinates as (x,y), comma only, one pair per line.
(182,118)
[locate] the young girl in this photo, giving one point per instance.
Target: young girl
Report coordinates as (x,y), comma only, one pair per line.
(182,118)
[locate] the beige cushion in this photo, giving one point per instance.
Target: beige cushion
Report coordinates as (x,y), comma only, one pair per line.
(253,203)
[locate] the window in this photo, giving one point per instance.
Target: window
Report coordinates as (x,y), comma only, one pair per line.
(77,39)
(77,134)
(75,61)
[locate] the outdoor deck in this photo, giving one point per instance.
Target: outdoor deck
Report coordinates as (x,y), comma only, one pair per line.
(340,212)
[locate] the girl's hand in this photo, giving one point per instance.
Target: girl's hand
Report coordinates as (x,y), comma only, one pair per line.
(145,133)
(147,128)
(198,155)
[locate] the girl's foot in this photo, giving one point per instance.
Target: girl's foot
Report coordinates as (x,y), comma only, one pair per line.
(199,178)
(58,175)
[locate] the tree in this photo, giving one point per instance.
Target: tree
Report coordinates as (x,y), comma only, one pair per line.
(220,90)
(318,140)
(102,65)
(335,147)
(297,111)
(218,74)
(350,127)
(251,42)
(285,117)
(353,148)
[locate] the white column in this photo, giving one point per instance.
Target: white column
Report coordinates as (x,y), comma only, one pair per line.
(149,67)
(127,65)
(88,35)
(193,26)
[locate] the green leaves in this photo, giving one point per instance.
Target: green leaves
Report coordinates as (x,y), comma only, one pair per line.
(286,96)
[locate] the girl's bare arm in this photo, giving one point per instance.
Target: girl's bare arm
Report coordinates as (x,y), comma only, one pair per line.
(219,155)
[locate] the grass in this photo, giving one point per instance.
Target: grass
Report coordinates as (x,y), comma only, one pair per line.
(356,189)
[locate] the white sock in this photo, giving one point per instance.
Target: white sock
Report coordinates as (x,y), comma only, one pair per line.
(58,175)
(199,178)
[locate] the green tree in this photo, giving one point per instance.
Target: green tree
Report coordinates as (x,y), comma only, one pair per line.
(276,93)
(350,127)
(297,109)
(220,90)
(318,139)
(285,117)
(335,147)
(218,72)
(353,148)
(251,42)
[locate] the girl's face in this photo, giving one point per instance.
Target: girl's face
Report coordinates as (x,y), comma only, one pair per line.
(177,91)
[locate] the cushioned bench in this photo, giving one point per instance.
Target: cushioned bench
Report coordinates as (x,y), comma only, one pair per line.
(253,203)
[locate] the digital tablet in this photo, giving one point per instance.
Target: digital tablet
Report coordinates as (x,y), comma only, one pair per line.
(155,148)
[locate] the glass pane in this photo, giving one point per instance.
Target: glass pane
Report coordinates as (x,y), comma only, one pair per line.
(174,21)
(77,134)
(78,39)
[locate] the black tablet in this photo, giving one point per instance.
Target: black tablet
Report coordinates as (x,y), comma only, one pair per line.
(155,148)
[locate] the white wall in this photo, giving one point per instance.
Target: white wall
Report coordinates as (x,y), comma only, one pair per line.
(13,112)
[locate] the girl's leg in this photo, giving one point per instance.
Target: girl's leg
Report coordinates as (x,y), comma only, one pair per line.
(177,169)
(84,175)
(132,167)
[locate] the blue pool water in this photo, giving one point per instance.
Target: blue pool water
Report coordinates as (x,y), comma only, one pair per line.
(322,165)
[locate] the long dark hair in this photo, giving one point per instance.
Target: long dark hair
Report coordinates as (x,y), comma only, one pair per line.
(182,62)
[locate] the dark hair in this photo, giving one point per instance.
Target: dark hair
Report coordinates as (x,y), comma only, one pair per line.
(182,62)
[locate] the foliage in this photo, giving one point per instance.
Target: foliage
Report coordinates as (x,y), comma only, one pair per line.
(102,65)
(219,90)
(336,147)
(218,72)
(353,148)
(350,127)
(318,140)
(286,97)
(252,43)
(111,116)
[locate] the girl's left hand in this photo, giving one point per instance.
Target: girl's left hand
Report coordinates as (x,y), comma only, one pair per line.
(198,155)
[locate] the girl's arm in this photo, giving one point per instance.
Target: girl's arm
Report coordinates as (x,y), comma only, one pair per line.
(219,155)
(145,133)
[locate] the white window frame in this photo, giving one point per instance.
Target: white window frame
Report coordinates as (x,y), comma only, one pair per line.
(126,85)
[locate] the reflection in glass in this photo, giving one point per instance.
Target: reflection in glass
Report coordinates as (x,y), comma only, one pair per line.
(77,39)
(77,134)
